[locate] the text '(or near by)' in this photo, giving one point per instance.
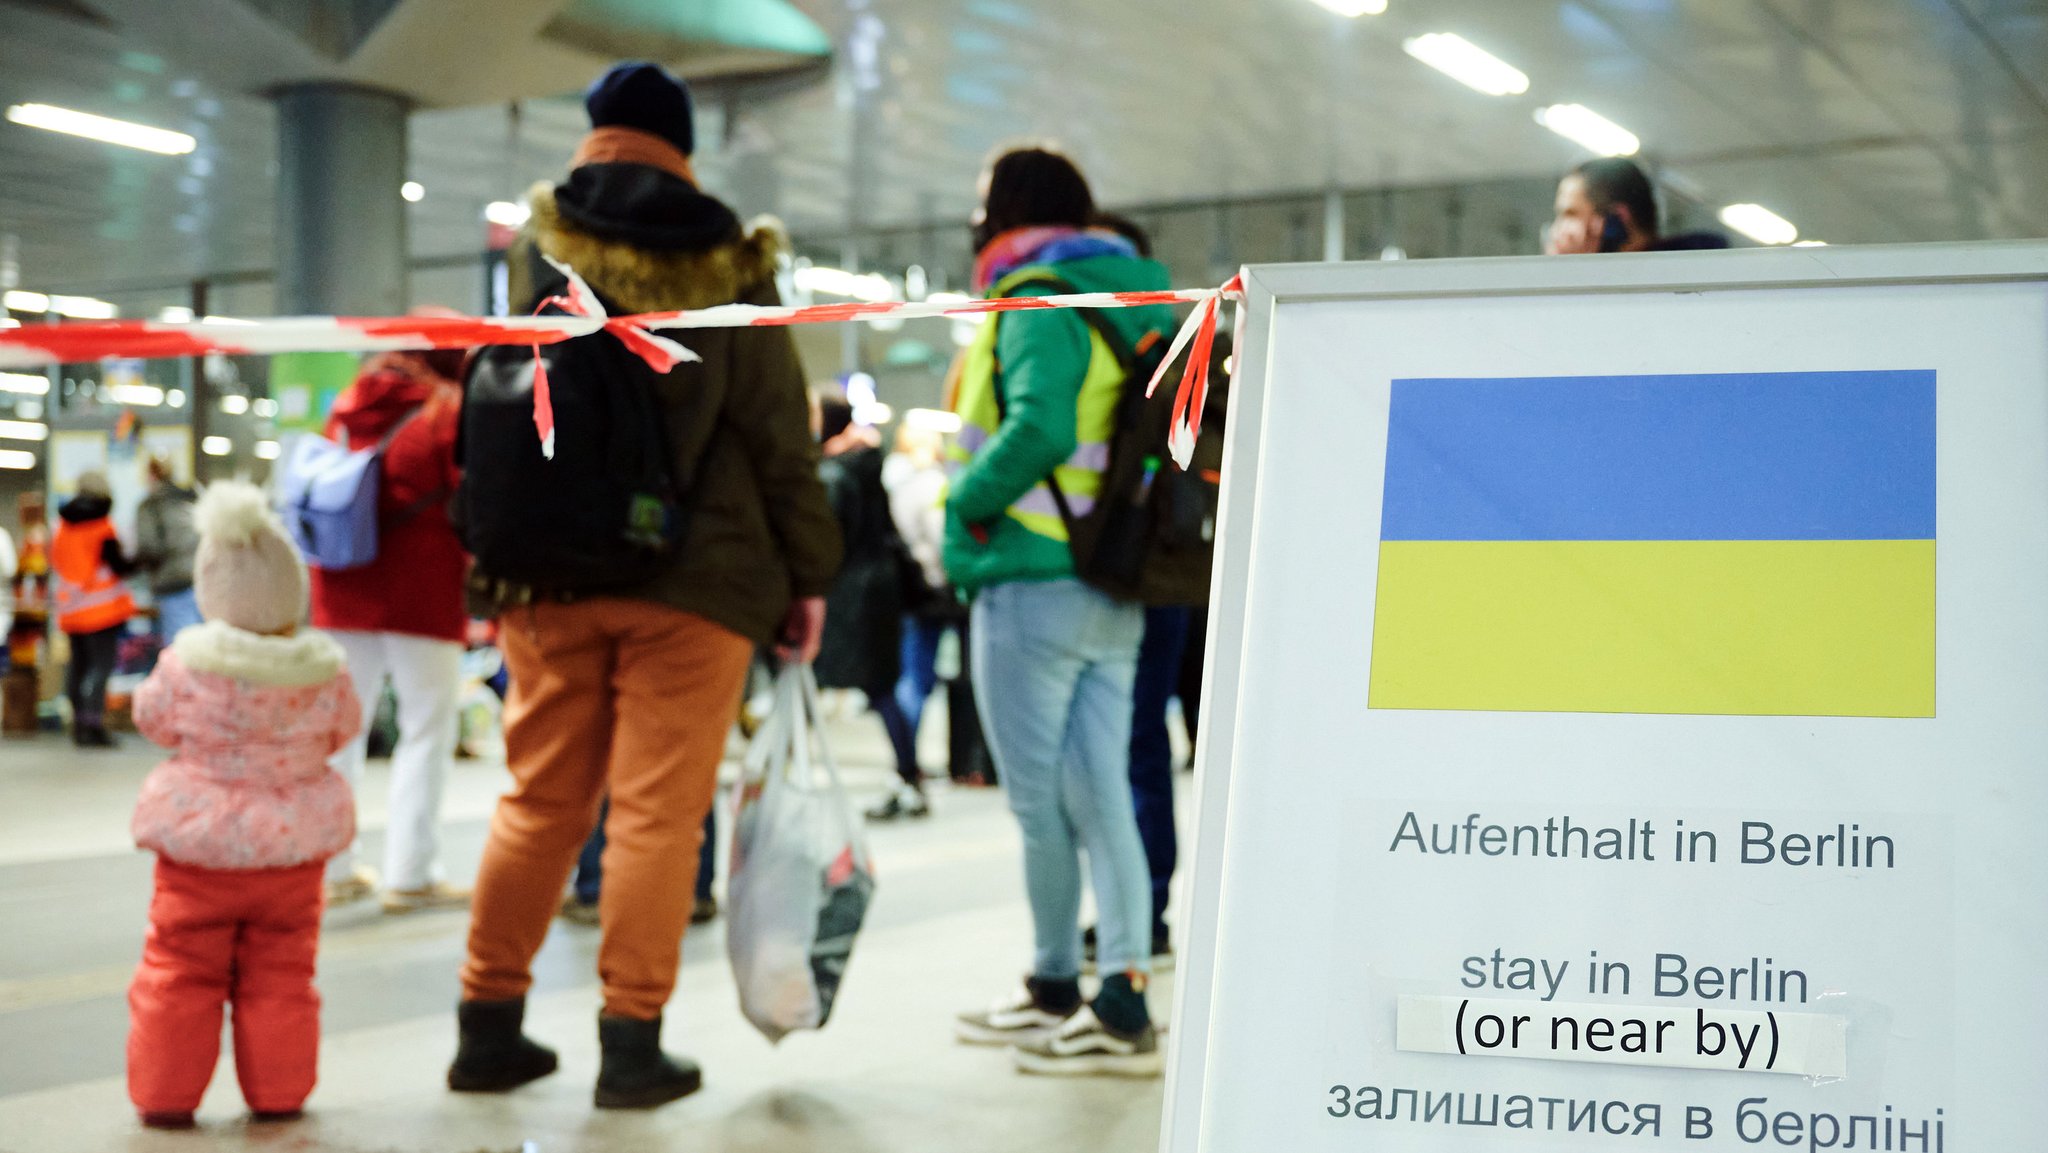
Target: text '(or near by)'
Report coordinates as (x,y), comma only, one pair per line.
(1754,1123)
(1753,1044)
(1842,846)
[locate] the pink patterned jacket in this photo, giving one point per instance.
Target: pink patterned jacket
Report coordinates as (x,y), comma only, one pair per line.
(250,721)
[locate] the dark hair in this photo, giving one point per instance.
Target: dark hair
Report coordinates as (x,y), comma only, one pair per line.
(1616,180)
(447,363)
(1034,186)
(1127,228)
(835,415)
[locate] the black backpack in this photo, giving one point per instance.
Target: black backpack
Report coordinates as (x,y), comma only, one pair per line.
(1151,536)
(606,513)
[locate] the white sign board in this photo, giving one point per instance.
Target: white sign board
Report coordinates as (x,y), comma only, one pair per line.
(1628,714)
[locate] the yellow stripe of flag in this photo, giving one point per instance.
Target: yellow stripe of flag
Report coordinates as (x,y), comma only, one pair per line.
(1777,627)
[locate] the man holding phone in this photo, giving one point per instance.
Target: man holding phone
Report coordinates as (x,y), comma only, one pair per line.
(1609,205)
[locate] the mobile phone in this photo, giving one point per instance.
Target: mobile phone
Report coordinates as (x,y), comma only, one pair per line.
(1613,233)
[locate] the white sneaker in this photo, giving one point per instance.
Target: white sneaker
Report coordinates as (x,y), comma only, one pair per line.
(1084,1047)
(359,884)
(903,801)
(436,895)
(1012,1020)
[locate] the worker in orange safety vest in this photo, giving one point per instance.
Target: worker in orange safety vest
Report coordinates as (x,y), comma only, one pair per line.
(93,606)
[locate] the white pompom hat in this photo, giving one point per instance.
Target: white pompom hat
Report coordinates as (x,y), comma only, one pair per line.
(249,573)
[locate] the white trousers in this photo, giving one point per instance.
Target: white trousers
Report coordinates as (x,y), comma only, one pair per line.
(425,676)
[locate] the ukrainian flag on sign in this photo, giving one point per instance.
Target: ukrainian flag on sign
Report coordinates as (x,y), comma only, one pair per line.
(1742,544)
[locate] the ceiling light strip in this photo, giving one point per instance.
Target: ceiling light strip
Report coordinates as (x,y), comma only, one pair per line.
(104,129)
(1467,63)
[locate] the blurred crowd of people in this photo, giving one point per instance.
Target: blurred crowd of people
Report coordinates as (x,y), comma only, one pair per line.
(721,518)
(689,528)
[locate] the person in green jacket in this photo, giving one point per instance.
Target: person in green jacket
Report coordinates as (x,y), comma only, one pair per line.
(1053,659)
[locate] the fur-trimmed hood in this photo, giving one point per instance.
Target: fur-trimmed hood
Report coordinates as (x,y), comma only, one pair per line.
(304,659)
(643,278)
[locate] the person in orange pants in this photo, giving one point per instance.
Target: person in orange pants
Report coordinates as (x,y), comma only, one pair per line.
(242,817)
(624,681)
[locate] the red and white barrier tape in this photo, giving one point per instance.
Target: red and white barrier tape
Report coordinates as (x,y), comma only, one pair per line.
(82,341)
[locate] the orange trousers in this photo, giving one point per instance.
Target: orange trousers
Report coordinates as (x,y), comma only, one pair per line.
(611,694)
(220,936)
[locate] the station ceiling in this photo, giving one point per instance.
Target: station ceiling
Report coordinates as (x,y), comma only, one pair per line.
(1859,120)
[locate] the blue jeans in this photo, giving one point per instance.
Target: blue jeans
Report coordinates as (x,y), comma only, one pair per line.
(902,737)
(1166,639)
(1053,663)
(913,687)
(920,667)
(176,612)
(589,881)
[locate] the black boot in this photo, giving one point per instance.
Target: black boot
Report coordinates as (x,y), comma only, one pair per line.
(635,1073)
(93,736)
(494,1056)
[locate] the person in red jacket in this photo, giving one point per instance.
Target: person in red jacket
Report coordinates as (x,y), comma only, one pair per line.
(402,616)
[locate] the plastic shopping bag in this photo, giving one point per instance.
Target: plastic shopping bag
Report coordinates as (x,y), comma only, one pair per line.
(801,878)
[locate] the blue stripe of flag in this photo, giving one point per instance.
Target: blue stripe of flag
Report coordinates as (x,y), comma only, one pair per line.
(1724,456)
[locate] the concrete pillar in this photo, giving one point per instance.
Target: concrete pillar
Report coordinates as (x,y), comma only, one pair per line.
(1333,225)
(341,243)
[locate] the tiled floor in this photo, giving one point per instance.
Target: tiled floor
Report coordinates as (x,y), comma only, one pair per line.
(948,931)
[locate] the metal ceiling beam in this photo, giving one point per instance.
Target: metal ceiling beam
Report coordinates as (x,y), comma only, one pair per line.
(1758,125)
(449,53)
(435,53)
(238,48)
(1878,96)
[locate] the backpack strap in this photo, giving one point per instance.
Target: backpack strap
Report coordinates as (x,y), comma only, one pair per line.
(406,515)
(1092,317)
(1097,323)
(390,434)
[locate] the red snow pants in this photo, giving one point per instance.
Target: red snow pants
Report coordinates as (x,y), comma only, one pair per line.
(246,936)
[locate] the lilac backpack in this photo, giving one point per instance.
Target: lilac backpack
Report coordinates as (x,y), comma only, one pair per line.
(328,499)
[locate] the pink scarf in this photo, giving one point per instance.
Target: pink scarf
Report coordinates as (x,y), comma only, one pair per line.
(1013,250)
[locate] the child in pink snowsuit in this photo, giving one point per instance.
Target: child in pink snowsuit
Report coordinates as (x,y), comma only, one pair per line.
(242,818)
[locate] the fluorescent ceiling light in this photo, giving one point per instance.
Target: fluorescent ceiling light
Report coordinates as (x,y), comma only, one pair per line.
(16,459)
(932,420)
(873,414)
(1759,224)
(138,395)
(83,308)
(24,383)
(1809,244)
(76,307)
(175,398)
(1588,129)
(263,406)
(1355,8)
(872,287)
(234,405)
(101,128)
(1467,63)
(413,191)
(506,213)
(24,430)
(216,446)
(175,314)
(948,298)
(267,450)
